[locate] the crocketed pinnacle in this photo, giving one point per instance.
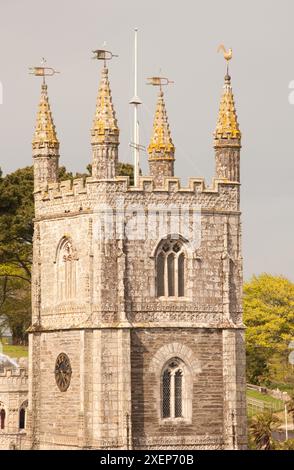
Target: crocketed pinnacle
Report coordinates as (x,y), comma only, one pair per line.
(227,124)
(105,123)
(45,133)
(161,144)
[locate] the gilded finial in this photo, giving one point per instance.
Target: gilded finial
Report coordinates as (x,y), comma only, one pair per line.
(161,144)
(45,133)
(227,124)
(105,123)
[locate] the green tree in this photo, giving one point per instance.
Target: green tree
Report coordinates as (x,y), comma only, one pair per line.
(286,445)
(261,429)
(15,308)
(269,318)
(126,169)
(16,224)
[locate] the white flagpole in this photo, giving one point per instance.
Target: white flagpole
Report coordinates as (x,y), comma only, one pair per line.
(136,101)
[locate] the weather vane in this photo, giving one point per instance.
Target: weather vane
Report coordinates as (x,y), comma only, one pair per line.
(103,54)
(159,81)
(42,71)
(228,54)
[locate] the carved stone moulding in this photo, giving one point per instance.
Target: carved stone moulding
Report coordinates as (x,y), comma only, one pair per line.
(183,443)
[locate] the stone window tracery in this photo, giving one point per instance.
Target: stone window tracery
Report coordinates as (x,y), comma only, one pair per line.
(170,269)
(172,389)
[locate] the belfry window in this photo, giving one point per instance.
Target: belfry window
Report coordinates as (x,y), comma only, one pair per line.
(170,269)
(172,389)
(2,419)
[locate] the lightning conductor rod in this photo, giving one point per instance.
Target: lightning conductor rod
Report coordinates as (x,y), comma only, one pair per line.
(135,102)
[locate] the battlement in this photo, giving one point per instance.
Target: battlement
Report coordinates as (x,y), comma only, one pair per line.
(11,372)
(20,369)
(13,379)
(80,195)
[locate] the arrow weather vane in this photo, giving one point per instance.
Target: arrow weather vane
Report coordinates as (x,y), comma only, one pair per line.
(43,71)
(159,81)
(103,54)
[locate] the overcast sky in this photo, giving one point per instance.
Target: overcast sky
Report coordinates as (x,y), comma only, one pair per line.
(179,38)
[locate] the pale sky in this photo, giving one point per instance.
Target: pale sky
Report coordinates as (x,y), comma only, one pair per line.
(180,39)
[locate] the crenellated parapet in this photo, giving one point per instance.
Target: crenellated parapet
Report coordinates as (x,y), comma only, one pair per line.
(85,195)
(13,379)
(10,372)
(14,386)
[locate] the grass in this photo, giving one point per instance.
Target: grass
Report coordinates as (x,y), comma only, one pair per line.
(265,398)
(15,351)
(268,402)
(278,405)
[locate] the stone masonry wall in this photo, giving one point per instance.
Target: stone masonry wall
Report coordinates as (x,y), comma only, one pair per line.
(59,411)
(205,428)
(13,394)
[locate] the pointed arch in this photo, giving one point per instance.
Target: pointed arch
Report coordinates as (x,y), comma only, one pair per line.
(170,266)
(174,366)
(2,417)
(23,415)
(176,393)
(66,264)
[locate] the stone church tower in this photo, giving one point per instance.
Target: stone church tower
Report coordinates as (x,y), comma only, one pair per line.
(137,340)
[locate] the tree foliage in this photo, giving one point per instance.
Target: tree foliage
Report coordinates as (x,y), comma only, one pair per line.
(16,224)
(15,308)
(126,169)
(269,318)
(261,429)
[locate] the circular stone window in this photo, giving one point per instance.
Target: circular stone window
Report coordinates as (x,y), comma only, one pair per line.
(63,372)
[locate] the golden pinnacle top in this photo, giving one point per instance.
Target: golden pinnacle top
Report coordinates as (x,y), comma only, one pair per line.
(45,133)
(161,144)
(227,124)
(105,122)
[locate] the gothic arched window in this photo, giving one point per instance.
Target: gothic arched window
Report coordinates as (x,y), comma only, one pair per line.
(170,269)
(66,274)
(2,418)
(22,415)
(172,389)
